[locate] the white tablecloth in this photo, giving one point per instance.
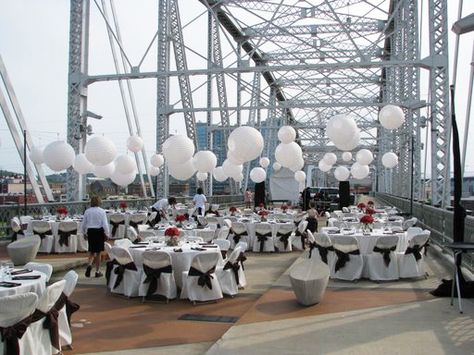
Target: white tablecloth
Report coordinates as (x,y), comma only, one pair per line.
(37,286)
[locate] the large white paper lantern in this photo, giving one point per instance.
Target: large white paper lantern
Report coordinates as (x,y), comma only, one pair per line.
(245,143)
(364,157)
(298,164)
(82,165)
(125,164)
(58,155)
(104,171)
(323,166)
(330,158)
(359,171)
(264,162)
(100,150)
(204,161)
(341,128)
(258,175)
(178,149)
(349,144)
(239,178)
(347,156)
(234,159)
(157,160)
(390,160)
(341,173)
(154,171)
(182,171)
(276,166)
(286,134)
(300,176)
(231,170)
(286,153)
(123,179)
(134,143)
(201,176)
(219,174)
(36,155)
(391,117)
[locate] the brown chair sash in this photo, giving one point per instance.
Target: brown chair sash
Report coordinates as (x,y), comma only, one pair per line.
(323,251)
(120,270)
(152,277)
(235,269)
(16,234)
(108,269)
(241,259)
(343,258)
(237,236)
(50,322)
(44,234)
(115,225)
(283,237)
(64,237)
(416,250)
(12,334)
(71,307)
(134,225)
(204,277)
(386,253)
(262,238)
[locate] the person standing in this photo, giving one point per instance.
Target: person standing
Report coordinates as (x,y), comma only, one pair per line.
(306,198)
(200,201)
(161,207)
(248,197)
(312,218)
(95,228)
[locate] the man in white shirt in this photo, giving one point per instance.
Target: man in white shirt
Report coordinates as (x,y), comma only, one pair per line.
(161,207)
(200,202)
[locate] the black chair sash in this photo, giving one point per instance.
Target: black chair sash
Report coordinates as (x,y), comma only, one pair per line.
(108,269)
(283,237)
(204,277)
(235,269)
(416,250)
(71,307)
(115,225)
(237,236)
(323,251)
(386,253)
(44,234)
(50,322)
(241,259)
(10,336)
(152,277)
(64,237)
(262,238)
(134,225)
(343,258)
(120,270)
(16,234)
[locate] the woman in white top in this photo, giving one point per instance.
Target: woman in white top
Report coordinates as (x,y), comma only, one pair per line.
(200,201)
(96,229)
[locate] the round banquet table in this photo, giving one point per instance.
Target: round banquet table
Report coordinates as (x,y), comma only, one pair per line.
(36,285)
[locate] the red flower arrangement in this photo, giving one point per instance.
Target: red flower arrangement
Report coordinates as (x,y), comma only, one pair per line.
(180,218)
(284,207)
(370,203)
(172,232)
(61,210)
(123,205)
(369,211)
(367,219)
(263,213)
(232,209)
(361,205)
(261,205)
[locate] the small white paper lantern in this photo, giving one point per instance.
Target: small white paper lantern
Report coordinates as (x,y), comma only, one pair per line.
(245,143)
(297,165)
(201,176)
(286,134)
(58,155)
(104,171)
(182,171)
(154,171)
(285,153)
(219,174)
(231,170)
(341,173)
(349,144)
(239,178)
(178,149)
(123,179)
(323,166)
(359,171)
(330,158)
(258,175)
(135,143)
(157,160)
(347,156)
(82,165)
(205,161)
(391,117)
(276,166)
(36,155)
(390,160)
(364,157)
(125,164)
(300,176)
(341,128)
(100,150)
(234,159)
(264,162)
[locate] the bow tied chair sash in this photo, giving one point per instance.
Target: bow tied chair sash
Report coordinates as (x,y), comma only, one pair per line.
(71,307)
(115,225)
(235,269)
(50,322)
(134,225)
(120,270)
(416,250)
(262,238)
(64,237)
(153,275)
(16,234)
(42,235)
(241,259)
(283,237)
(323,251)
(386,253)
(343,258)
(204,277)
(108,269)
(237,236)
(10,336)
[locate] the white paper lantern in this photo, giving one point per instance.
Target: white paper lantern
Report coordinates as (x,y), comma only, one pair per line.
(58,155)
(276,166)
(125,164)
(298,164)
(182,171)
(330,158)
(36,155)
(359,171)
(201,176)
(286,153)
(341,173)
(239,178)
(157,160)
(300,176)
(245,143)
(364,157)
(134,143)
(231,170)
(154,171)
(349,144)
(234,159)
(123,179)
(82,165)
(219,174)
(258,175)
(286,134)
(100,150)
(391,117)
(347,156)
(204,161)
(104,171)
(178,149)
(390,160)
(341,128)
(264,162)
(323,166)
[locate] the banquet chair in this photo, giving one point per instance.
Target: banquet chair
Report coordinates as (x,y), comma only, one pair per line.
(228,275)
(24,250)
(332,222)
(263,241)
(300,235)
(228,222)
(382,262)
(123,243)
(284,239)
(213,222)
(151,219)
(409,223)
(223,233)
(43,230)
(143,235)
(137,220)
(158,277)
(224,246)
(202,221)
(321,248)
(411,262)
(117,225)
(82,242)
(200,281)
(69,307)
(14,311)
(238,233)
(348,263)
(18,232)
(132,234)
(44,268)
(125,277)
(66,240)
(345,210)
(412,231)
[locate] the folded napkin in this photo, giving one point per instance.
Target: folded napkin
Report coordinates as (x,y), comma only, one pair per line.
(27,277)
(137,246)
(9,284)
(198,249)
(179,250)
(21,272)
(209,246)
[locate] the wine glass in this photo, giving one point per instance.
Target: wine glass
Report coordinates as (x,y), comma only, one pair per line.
(9,269)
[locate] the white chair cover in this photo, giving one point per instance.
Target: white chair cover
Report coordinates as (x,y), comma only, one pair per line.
(410,223)
(151,218)
(123,243)
(108,250)
(147,234)
(228,222)
(117,225)
(202,220)
(204,263)
(326,255)
(229,273)
(223,233)
(43,229)
(126,269)
(263,238)
(411,262)
(137,219)
(46,269)
(69,230)
(223,244)
(376,261)
(238,233)
(82,243)
(412,231)
(65,334)
(166,284)
(132,234)
(284,232)
(352,270)
(297,239)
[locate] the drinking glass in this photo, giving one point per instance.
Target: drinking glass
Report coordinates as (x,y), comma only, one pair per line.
(9,269)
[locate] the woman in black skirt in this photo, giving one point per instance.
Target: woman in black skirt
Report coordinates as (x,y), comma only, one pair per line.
(96,229)
(312,218)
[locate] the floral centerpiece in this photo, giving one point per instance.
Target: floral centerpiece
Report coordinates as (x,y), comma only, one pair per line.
(62,212)
(232,210)
(180,219)
(173,236)
(284,207)
(361,206)
(369,211)
(123,206)
(261,206)
(367,222)
(263,215)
